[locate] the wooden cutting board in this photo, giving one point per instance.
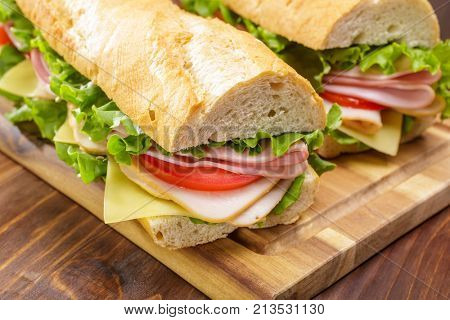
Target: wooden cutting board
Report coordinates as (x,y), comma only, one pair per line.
(366,203)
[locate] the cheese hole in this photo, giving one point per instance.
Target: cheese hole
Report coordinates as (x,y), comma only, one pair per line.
(159,236)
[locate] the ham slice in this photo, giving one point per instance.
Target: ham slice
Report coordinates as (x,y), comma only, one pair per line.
(403,90)
(399,96)
(262,169)
(288,166)
(229,154)
(40,66)
(422,77)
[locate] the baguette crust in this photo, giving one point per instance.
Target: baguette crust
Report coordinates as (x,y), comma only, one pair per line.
(179,232)
(184,79)
(326,24)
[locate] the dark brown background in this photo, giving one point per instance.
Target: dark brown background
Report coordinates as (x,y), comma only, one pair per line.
(50,248)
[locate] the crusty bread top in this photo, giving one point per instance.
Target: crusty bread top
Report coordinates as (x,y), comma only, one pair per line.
(184,79)
(326,24)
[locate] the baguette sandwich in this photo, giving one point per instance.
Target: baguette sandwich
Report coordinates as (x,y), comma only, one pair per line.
(381,61)
(195,127)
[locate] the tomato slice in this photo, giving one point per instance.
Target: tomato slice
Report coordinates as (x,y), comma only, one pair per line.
(198,178)
(351,102)
(4,38)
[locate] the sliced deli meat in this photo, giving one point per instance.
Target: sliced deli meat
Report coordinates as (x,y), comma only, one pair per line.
(402,96)
(212,206)
(421,77)
(295,162)
(229,154)
(405,90)
(263,206)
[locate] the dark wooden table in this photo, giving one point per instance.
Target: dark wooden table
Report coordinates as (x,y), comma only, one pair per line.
(51,248)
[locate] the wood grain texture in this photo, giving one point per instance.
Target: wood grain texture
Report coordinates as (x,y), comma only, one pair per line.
(51,248)
(364,205)
(414,267)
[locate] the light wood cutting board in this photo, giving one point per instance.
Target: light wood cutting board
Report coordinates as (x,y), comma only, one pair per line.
(366,203)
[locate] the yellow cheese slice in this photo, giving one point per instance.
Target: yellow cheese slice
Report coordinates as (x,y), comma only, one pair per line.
(125,200)
(20,80)
(65,134)
(387,139)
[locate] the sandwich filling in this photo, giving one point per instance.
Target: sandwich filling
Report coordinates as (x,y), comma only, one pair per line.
(238,182)
(384,91)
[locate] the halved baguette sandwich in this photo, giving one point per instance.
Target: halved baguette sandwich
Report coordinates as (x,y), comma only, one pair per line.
(196,128)
(381,61)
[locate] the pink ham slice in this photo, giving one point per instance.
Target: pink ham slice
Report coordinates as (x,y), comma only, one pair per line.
(422,77)
(400,96)
(40,66)
(289,166)
(405,90)
(228,154)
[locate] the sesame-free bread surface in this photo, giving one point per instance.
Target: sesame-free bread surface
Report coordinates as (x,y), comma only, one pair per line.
(326,24)
(184,79)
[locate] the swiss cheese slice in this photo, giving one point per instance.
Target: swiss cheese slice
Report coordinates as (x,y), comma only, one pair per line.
(261,208)
(20,80)
(125,200)
(213,206)
(387,139)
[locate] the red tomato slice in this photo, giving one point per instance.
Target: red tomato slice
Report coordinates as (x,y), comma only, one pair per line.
(199,178)
(351,102)
(4,38)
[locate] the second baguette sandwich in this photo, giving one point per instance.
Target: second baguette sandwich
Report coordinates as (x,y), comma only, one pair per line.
(381,61)
(196,128)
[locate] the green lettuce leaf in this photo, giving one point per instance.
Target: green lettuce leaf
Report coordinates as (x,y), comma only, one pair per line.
(384,58)
(48,115)
(345,58)
(307,62)
(343,138)
(9,57)
(291,196)
(89,167)
(22,29)
(8,9)
(442,52)
(334,118)
(19,114)
(209,8)
(205,8)
(124,148)
(407,124)
(199,221)
(110,115)
(319,165)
